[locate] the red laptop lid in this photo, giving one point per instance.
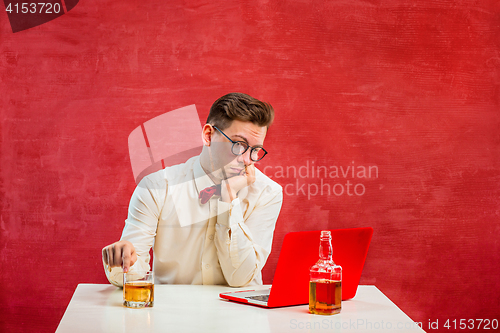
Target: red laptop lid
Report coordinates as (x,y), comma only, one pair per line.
(300,250)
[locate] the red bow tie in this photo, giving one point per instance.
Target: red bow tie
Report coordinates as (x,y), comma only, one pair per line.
(207,193)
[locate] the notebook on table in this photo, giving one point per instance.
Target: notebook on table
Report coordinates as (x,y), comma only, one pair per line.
(300,250)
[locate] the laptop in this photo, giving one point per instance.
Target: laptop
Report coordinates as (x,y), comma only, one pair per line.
(300,250)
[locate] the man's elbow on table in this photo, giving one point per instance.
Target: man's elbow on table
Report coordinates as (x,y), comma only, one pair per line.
(236,279)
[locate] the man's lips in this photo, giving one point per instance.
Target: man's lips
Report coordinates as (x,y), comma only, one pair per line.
(237,170)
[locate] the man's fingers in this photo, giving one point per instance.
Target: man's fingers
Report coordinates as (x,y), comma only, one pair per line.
(250,173)
(117,255)
(110,256)
(104,256)
(251,169)
(126,258)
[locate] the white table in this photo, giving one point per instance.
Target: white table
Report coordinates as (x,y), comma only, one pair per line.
(192,308)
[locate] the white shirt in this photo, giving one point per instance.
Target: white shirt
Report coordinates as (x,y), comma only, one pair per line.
(192,242)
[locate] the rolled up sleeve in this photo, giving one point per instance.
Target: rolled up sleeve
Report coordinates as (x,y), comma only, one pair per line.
(243,245)
(140,226)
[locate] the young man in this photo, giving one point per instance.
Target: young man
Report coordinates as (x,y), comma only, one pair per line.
(211,220)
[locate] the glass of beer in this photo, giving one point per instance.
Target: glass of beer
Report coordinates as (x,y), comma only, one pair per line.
(138,289)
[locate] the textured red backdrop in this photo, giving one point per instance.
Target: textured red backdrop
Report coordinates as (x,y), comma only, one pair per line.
(408,88)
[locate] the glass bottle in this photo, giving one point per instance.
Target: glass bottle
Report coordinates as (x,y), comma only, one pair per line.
(325,280)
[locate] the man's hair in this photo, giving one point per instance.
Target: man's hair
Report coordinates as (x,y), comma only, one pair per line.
(242,107)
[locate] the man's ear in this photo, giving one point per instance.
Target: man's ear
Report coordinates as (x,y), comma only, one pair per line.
(206,134)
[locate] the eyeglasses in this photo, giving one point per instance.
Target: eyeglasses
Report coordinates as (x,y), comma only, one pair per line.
(240,147)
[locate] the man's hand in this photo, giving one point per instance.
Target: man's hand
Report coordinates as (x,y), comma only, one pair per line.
(119,254)
(231,186)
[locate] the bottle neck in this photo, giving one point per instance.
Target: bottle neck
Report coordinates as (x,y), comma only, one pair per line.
(325,248)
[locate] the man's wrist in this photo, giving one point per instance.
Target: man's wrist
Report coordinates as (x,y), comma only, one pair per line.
(227,194)
(228,213)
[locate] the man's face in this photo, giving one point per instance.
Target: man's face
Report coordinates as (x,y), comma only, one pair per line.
(225,163)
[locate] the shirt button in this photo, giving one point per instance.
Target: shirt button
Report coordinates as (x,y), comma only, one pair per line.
(207,266)
(211,237)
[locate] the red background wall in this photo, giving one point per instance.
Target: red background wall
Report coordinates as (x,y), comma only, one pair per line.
(409,87)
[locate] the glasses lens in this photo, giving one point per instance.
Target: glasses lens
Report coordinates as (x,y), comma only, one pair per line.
(257,154)
(239,148)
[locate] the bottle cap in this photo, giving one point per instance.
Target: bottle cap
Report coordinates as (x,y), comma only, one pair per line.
(325,233)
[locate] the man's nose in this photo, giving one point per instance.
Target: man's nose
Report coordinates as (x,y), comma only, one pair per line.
(245,158)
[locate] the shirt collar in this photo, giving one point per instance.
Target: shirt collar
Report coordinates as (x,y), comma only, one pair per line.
(201,179)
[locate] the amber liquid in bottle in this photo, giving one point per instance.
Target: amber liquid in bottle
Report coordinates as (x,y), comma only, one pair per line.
(325,285)
(325,296)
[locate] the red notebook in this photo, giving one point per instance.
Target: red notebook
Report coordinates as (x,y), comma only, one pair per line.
(300,250)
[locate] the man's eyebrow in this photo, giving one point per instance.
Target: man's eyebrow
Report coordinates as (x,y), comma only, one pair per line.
(240,136)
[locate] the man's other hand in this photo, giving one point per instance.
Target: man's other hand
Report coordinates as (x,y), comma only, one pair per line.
(231,186)
(119,254)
